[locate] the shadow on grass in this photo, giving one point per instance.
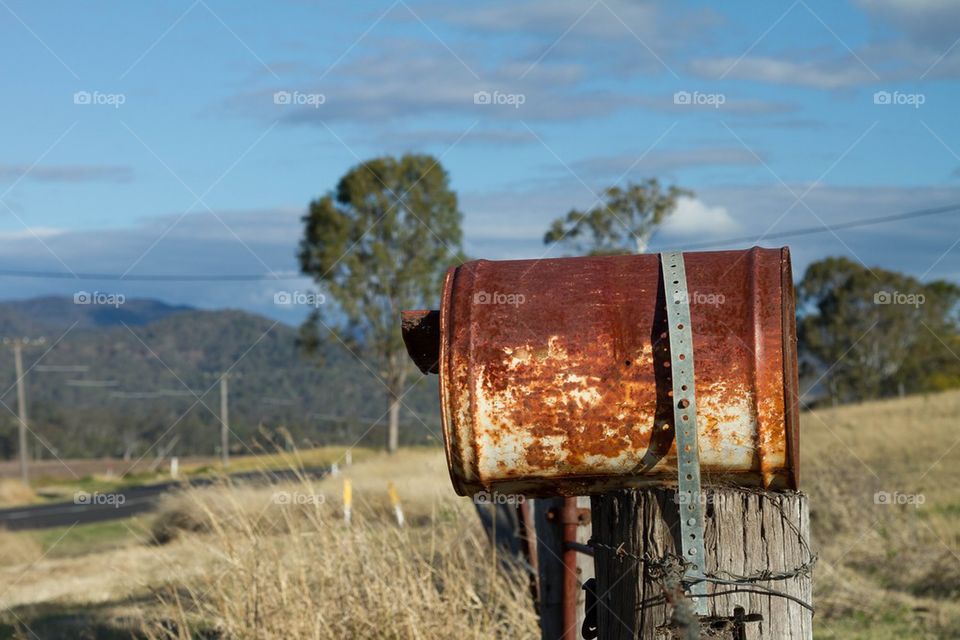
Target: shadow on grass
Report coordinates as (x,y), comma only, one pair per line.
(118,620)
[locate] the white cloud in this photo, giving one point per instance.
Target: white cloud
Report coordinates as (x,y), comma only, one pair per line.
(694,218)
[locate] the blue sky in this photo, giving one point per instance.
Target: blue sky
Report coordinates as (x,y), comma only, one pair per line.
(146,138)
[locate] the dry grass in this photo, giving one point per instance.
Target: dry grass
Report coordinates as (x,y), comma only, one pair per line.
(886,570)
(14,492)
(99,578)
(243,562)
(285,565)
(18,548)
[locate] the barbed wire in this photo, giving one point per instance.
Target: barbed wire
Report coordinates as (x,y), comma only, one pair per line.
(672,569)
(665,569)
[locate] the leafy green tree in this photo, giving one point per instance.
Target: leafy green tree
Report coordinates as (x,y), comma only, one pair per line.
(379,244)
(869,333)
(623,223)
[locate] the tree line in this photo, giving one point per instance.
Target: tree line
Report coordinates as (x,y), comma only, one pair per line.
(381,240)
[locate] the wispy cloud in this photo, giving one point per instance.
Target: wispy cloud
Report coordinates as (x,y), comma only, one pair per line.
(31,233)
(412,79)
(819,75)
(931,23)
(657,162)
(66,173)
(421,138)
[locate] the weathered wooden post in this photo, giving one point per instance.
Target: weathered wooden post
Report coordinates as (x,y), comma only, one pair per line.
(664,386)
(757,555)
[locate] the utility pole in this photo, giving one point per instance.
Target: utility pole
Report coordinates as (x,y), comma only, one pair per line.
(22,411)
(224,421)
(18,344)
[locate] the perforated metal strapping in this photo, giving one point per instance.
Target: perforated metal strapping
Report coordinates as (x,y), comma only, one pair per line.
(690,498)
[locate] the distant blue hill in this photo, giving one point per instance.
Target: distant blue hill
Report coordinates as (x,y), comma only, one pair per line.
(51,313)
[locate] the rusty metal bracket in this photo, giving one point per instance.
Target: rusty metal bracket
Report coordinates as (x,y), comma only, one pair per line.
(690,499)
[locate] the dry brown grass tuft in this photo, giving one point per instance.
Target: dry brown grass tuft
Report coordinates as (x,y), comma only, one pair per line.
(18,548)
(14,492)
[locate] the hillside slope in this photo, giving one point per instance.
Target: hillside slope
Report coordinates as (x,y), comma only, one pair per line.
(118,382)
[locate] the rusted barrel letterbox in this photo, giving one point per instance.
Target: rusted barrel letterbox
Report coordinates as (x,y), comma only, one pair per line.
(555,374)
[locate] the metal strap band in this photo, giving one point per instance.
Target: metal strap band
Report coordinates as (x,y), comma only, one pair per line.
(690,498)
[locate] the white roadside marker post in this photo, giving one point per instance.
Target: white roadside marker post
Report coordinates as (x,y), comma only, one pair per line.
(347,499)
(395,501)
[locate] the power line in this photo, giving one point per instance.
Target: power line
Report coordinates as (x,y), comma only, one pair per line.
(263,277)
(92,383)
(862,222)
(162,393)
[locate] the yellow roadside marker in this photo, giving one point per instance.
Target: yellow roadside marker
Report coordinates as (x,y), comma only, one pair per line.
(395,501)
(347,499)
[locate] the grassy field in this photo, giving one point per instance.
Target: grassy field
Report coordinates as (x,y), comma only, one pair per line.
(883,479)
(278,562)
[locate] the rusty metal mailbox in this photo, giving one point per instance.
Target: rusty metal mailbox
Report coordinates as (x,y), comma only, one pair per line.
(555,374)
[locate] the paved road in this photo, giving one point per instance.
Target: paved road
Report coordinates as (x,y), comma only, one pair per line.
(125,502)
